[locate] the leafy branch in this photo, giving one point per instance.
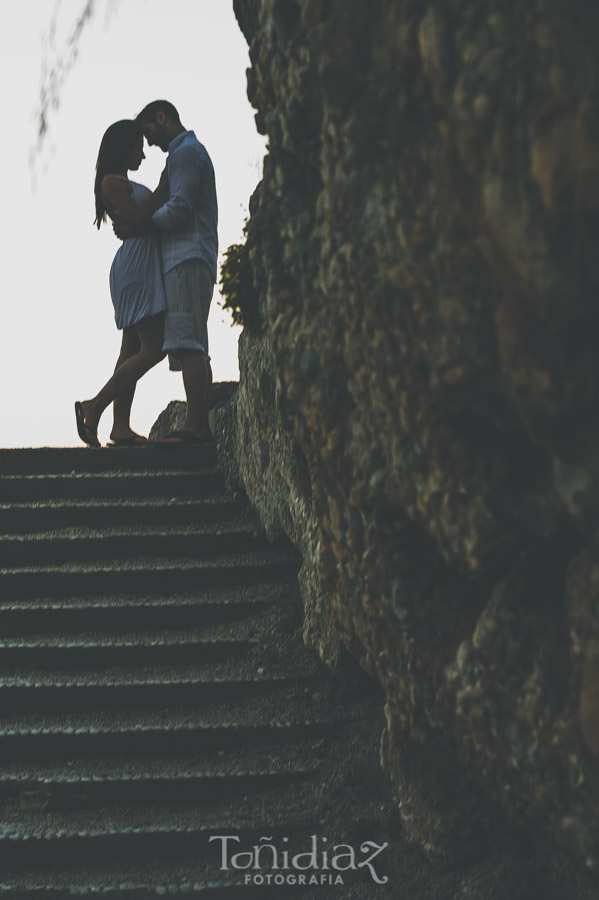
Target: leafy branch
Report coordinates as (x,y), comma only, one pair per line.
(237,286)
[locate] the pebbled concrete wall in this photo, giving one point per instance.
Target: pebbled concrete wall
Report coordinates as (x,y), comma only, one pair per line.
(421,414)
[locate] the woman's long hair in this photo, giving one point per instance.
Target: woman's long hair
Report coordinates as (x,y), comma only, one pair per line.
(117,143)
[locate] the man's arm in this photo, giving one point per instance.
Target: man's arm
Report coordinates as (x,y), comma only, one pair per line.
(184,183)
(124,229)
(134,220)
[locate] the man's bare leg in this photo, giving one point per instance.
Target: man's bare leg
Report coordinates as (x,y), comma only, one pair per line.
(197,381)
(208,387)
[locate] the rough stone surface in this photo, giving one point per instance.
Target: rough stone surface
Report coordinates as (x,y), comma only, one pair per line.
(172,418)
(422,414)
(259,455)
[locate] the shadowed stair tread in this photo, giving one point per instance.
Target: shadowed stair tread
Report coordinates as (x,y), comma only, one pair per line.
(140,883)
(140,503)
(229,633)
(193,544)
(230,529)
(276,806)
(182,880)
(96,483)
(243,631)
(86,512)
(239,671)
(56,460)
(293,805)
(262,557)
(112,484)
(295,759)
(283,591)
(279,709)
(148,475)
(186,878)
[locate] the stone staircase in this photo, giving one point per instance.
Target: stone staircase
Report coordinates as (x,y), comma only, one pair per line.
(155,691)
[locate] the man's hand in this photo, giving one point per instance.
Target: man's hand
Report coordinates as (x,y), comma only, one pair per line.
(125,230)
(122,229)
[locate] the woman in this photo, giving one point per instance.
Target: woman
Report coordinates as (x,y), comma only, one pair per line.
(135,281)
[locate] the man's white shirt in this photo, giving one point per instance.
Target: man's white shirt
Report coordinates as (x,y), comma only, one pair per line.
(188,220)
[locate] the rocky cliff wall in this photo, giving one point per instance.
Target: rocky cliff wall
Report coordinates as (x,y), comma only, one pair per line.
(421,411)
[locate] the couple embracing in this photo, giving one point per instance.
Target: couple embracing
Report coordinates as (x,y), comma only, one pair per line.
(163,275)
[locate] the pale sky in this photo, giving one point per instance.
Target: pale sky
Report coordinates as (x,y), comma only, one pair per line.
(60,341)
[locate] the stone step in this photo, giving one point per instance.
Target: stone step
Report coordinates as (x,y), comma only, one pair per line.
(297,759)
(124,612)
(279,718)
(147,575)
(171,790)
(203,879)
(76,545)
(85,784)
(95,511)
(66,460)
(113,688)
(143,882)
(133,834)
(114,484)
(142,648)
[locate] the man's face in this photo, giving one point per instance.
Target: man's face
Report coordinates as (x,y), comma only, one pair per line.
(155,134)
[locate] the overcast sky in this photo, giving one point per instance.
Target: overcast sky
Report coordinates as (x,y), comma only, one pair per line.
(60,342)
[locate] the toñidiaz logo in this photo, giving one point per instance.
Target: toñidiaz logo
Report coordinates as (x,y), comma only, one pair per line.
(320,865)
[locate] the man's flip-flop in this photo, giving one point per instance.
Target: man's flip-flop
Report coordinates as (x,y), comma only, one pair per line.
(83,430)
(183,437)
(136,440)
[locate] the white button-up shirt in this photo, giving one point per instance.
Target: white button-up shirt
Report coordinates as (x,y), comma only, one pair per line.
(188,220)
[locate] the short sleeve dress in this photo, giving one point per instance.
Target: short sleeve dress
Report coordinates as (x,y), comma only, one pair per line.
(136,284)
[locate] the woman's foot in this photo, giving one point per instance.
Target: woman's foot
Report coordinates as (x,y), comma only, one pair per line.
(86,429)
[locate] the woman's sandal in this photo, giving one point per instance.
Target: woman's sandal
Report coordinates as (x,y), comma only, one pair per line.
(84,431)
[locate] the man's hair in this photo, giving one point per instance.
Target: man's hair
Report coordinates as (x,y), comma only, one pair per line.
(148,113)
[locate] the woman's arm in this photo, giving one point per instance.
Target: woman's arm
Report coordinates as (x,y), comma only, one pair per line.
(117,194)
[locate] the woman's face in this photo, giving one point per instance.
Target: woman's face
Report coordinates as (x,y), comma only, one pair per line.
(136,154)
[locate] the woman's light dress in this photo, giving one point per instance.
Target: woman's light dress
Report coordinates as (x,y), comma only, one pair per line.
(136,284)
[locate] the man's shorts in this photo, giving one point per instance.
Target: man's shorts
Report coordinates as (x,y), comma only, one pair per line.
(188,288)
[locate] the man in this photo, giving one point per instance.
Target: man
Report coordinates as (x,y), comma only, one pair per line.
(188,226)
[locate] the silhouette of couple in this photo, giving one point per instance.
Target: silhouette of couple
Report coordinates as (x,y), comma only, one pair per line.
(163,275)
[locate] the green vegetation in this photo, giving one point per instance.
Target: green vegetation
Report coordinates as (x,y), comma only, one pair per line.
(237,286)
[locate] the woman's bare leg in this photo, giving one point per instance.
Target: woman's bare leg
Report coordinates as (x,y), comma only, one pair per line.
(121,407)
(150,333)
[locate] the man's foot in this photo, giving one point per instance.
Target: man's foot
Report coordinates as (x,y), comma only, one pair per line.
(135,440)
(85,430)
(182,437)
(127,439)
